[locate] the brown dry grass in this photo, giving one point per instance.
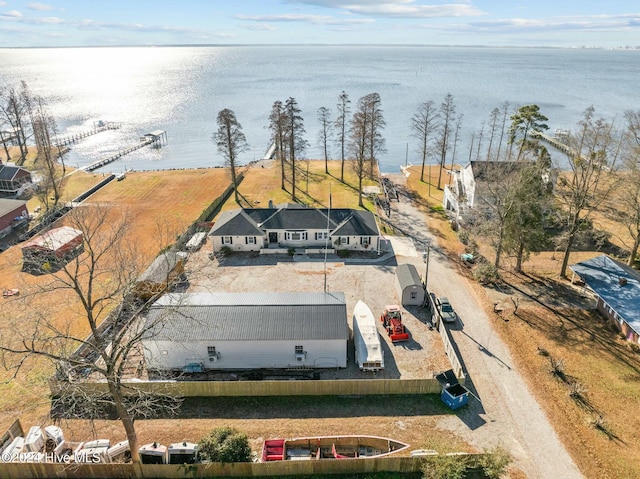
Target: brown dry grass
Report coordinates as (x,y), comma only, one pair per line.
(158,206)
(597,361)
(262,183)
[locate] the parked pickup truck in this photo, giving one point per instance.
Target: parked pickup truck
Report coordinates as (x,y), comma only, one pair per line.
(445,310)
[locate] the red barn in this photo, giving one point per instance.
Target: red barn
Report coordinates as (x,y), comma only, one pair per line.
(54,245)
(10,211)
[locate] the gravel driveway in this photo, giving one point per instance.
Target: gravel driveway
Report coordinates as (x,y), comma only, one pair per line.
(508,414)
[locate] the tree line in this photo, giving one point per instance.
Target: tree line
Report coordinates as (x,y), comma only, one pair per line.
(521,207)
(24,122)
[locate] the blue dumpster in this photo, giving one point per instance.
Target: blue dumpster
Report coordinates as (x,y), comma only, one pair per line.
(453,394)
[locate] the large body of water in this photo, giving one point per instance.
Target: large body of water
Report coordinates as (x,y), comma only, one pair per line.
(181,90)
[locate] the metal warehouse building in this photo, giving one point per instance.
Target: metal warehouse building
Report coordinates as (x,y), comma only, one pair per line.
(233,331)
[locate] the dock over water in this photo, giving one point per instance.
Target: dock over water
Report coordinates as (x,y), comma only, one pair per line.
(98,127)
(155,138)
(554,141)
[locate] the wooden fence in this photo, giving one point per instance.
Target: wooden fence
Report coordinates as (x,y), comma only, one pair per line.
(340,387)
(249,469)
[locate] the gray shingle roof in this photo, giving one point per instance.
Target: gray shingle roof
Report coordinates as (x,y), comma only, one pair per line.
(249,317)
(254,221)
(408,275)
(602,274)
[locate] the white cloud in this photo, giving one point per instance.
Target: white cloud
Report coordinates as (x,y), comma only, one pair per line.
(303,18)
(41,7)
(11,15)
(398,8)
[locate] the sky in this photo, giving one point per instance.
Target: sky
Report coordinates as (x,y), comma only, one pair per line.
(557,23)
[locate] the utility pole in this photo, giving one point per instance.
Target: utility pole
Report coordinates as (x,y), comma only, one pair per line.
(425,257)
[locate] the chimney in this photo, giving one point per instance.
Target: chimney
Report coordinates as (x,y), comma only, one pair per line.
(622,281)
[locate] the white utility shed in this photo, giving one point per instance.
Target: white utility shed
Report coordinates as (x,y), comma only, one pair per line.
(409,285)
(235,331)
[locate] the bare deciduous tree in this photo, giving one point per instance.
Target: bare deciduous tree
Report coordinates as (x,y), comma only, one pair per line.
(443,143)
(629,206)
(95,291)
(424,124)
(231,142)
(593,151)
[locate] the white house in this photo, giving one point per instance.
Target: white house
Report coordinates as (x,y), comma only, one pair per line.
(312,229)
(470,186)
(235,331)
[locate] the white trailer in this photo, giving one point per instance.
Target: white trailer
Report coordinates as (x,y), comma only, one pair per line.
(369,354)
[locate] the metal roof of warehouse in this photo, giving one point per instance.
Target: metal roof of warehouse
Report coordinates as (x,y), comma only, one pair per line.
(249,317)
(603,275)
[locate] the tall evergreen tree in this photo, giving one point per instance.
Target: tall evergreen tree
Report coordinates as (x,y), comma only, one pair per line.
(294,134)
(527,119)
(231,142)
(277,127)
(324,135)
(342,128)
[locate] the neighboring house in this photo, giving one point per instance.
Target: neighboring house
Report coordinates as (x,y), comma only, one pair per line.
(470,187)
(164,271)
(261,229)
(12,212)
(617,288)
(53,247)
(236,331)
(12,178)
(409,285)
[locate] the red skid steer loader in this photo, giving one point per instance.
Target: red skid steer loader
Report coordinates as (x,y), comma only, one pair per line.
(392,321)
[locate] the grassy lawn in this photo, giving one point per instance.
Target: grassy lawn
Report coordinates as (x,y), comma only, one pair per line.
(263,183)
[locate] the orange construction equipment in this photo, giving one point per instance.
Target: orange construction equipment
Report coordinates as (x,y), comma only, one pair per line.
(392,321)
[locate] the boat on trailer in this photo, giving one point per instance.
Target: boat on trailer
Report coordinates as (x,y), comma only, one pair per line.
(329,447)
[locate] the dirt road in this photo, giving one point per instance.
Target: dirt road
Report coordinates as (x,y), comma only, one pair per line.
(505,413)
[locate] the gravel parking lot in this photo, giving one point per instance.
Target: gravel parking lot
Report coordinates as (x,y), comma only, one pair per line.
(374,283)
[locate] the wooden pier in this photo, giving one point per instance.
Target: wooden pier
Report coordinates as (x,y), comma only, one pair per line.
(554,141)
(98,127)
(156,138)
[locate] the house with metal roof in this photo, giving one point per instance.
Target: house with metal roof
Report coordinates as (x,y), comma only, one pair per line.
(617,288)
(237,331)
(312,229)
(409,285)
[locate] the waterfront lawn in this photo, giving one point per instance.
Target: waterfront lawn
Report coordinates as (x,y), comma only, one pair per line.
(262,182)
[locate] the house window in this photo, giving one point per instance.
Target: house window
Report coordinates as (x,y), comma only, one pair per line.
(365,240)
(299,350)
(211,350)
(227,240)
(296,235)
(250,240)
(322,235)
(344,240)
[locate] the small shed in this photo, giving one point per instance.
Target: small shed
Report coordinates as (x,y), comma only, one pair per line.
(55,246)
(409,285)
(163,272)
